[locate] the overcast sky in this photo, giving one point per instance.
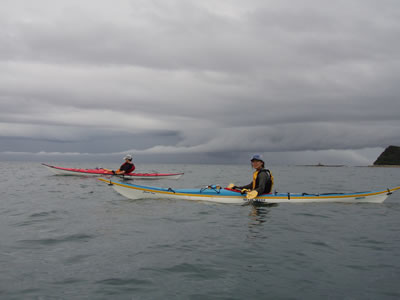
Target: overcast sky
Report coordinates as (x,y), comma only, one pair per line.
(301,82)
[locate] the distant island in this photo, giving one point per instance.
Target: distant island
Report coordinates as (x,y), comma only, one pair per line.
(389,157)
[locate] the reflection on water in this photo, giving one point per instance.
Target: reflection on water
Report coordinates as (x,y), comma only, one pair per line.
(259,211)
(258,216)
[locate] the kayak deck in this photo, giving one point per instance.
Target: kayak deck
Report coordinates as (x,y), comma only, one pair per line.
(224,195)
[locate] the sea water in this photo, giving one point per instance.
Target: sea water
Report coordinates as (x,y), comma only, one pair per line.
(72,237)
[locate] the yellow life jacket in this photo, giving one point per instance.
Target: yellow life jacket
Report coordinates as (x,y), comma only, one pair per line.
(268,188)
(254,179)
(272,181)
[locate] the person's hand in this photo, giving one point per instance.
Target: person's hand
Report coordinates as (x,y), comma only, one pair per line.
(231,186)
(243,191)
(252,194)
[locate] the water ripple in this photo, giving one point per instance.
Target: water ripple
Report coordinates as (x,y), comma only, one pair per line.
(59,240)
(122,286)
(41,217)
(121,281)
(76,259)
(195,271)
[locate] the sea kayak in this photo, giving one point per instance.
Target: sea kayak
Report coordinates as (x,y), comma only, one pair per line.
(224,195)
(105,172)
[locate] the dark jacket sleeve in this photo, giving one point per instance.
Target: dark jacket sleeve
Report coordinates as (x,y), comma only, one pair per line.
(249,186)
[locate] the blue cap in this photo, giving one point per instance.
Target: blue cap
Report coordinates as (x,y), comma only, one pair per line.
(257,157)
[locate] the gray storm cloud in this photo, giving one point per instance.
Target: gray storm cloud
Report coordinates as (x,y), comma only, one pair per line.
(200,77)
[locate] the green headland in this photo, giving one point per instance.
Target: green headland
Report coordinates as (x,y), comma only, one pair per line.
(389,157)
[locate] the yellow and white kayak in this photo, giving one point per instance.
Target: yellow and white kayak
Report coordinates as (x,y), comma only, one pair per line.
(224,195)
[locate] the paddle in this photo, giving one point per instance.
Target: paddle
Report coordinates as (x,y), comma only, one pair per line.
(249,194)
(108,170)
(114,172)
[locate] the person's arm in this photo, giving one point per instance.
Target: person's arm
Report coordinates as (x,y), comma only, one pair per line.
(248,186)
(121,169)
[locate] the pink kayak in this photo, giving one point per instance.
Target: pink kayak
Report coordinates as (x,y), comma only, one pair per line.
(105,172)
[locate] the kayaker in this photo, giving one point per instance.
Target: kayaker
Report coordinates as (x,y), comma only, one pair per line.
(262,179)
(126,167)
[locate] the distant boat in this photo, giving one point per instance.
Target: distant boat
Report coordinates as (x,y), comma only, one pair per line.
(321,165)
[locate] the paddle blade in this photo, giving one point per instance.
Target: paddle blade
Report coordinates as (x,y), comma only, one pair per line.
(251,194)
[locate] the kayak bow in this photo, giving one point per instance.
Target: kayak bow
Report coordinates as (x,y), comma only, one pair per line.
(225,195)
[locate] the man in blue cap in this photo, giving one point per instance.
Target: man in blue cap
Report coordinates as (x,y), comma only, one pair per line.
(262,179)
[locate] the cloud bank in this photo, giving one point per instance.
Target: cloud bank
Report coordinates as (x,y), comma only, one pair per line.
(181,80)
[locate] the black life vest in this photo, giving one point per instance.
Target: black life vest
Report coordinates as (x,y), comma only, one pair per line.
(127,167)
